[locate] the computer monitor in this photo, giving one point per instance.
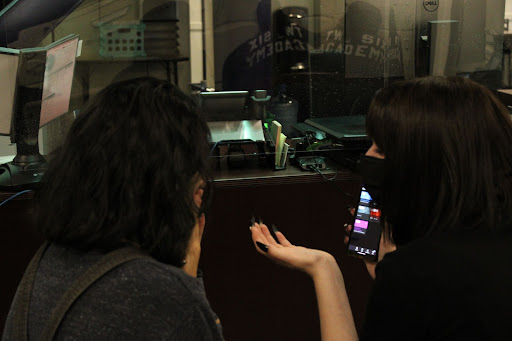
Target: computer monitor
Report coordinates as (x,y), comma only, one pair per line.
(462,38)
(9,59)
(58,79)
(42,93)
(225,105)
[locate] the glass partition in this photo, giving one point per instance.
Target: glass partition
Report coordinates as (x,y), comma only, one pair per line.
(300,62)
(332,56)
(319,63)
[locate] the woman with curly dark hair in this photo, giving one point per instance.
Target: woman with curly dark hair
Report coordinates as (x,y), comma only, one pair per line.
(122,209)
(441,165)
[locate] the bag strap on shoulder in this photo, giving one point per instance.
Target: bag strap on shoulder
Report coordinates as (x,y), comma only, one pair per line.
(20,319)
(108,262)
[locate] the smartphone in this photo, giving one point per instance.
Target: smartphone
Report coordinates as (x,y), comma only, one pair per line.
(366,230)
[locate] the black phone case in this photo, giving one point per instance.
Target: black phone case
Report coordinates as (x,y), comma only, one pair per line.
(362,255)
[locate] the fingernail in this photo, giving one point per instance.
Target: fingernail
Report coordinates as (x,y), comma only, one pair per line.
(262,246)
(260,221)
(253,220)
(345,225)
(250,228)
(274,228)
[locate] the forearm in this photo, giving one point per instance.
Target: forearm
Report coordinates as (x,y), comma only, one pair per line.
(336,321)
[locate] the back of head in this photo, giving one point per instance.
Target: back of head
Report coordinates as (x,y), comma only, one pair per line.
(126,171)
(447,147)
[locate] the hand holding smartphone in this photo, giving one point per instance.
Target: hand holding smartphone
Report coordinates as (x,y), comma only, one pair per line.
(366,230)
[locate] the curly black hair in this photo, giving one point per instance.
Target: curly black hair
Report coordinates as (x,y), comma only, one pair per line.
(126,172)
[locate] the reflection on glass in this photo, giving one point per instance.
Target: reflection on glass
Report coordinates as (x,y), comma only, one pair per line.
(122,39)
(332,56)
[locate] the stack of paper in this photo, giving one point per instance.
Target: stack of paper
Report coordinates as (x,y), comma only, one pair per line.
(280,142)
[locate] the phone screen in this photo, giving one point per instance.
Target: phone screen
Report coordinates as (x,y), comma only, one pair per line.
(365,236)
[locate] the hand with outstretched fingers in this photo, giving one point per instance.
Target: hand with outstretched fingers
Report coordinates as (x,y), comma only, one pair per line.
(336,320)
(284,252)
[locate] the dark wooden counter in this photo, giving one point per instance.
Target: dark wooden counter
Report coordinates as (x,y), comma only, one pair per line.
(254,298)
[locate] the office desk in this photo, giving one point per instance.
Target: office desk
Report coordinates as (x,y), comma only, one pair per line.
(18,243)
(254,298)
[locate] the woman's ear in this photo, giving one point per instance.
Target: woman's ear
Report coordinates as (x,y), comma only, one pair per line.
(198,196)
(198,192)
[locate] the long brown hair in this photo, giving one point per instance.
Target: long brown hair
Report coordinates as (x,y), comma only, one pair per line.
(447,143)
